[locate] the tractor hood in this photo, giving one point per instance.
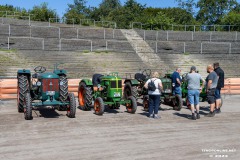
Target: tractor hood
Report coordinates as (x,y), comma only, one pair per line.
(48,76)
(110,77)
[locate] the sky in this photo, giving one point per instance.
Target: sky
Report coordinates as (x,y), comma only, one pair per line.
(60,6)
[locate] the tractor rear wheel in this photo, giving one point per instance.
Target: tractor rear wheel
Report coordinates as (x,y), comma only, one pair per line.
(145,102)
(23,88)
(130,90)
(177,103)
(28,107)
(71,108)
(99,106)
(132,106)
(63,88)
(84,96)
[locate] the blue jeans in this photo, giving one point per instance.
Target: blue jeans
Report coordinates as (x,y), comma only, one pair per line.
(193,96)
(153,104)
(178,91)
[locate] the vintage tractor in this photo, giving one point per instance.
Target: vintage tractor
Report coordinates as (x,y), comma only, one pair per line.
(104,90)
(167,95)
(44,89)
(202,97)
(134,87)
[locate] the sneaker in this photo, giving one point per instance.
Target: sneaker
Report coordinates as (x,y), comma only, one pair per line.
(156,116)
(150,116)
(210,114)
(198,116)
(217,111)
(193,116)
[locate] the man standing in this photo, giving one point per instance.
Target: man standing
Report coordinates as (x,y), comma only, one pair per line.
(194,90)
(211,84)
(176,82)
(220,85)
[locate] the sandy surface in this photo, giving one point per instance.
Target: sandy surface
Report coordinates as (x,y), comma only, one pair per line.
(120,135)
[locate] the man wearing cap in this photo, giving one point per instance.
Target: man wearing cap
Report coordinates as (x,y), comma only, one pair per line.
(194,91)
(211,84)
(176,82)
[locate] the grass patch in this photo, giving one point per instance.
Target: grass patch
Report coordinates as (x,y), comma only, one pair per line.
(86,51)
(186,53)
(8,50)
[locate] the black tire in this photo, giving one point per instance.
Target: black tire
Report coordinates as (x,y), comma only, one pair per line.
(130,90)
(177,104)
(132,106)
(23,88)
(85,96)
(145,102)
(71,108)
(28,108)
(99,106)
(63,88)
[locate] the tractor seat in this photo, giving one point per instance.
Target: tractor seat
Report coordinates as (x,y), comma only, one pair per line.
(140,77)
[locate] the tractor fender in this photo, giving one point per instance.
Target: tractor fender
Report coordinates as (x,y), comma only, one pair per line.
(60,72)
(25,72)
(133,82)
(88,82)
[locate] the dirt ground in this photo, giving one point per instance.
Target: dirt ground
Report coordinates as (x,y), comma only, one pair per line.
(119,135)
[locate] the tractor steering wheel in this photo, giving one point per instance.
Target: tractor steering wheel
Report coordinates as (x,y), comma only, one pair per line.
(147,72)
(39,69)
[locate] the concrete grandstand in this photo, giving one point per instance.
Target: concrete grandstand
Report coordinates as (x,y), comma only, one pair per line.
(85,50)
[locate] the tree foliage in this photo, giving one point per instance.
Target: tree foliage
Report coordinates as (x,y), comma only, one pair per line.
(42,13)
(211,11)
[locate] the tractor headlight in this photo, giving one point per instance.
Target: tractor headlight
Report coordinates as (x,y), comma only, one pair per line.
(50,93)
(116,94)
(39,83)
(61,83)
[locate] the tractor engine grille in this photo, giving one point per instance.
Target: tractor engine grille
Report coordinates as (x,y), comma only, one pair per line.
(116,84)
(50,85)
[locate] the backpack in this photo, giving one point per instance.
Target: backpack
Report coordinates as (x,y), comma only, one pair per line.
(151,86)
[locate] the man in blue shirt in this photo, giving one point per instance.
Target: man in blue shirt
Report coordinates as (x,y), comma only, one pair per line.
(176,82)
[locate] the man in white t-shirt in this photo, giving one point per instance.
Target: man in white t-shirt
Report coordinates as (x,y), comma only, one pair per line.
(154,96)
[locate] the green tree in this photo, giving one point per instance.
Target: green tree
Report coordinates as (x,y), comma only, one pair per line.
(160,21)
(77,11)
(108,6)
(232,18)
(42,12)
(211,11)
(188,5)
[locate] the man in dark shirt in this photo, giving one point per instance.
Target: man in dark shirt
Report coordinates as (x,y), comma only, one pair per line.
(220,85)
(176,82)
(211,84)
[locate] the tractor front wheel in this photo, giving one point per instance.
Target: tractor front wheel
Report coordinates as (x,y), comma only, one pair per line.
(132,106)
(130,90)
(99,106)
(84,96)
(63,88)
(28,107)
(177,103)
(23,88)
(71,108)
(145,102)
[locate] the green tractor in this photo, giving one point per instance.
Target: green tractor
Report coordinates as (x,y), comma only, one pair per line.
(167,95)
(101,91)
(44,89)
(135,87)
